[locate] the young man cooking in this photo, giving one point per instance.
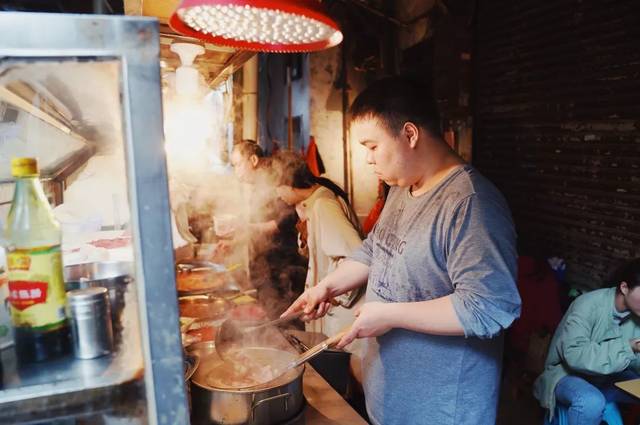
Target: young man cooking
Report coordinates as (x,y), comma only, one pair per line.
(440,266)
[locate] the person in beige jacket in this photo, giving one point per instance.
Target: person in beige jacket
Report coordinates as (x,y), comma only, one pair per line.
(332,232)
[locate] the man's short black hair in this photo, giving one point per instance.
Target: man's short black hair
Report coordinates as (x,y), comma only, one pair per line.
(628,272)
(397,100)
(248,147)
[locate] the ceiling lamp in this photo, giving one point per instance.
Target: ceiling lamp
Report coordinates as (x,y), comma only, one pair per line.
(260,25)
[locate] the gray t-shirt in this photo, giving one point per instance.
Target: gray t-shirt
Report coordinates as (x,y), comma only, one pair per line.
(457,239)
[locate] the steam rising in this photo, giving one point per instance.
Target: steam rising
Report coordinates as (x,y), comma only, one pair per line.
(275,266)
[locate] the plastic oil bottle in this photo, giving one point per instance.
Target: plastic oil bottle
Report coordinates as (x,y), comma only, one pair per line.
(34,260)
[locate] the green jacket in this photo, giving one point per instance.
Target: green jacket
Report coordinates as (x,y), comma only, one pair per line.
(588,342)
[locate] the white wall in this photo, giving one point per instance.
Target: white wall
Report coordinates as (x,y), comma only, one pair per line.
(327,128)
(326,119)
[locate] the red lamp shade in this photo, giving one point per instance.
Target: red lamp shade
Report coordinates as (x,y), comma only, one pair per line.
(261,25)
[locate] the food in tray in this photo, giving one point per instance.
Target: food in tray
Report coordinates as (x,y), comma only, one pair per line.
(198,330)
(112,243)
(243,299)
(200,280)
(205,333)
(204,307)
(187,339)
(185,323)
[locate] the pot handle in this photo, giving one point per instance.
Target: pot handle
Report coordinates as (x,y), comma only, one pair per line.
(268,399)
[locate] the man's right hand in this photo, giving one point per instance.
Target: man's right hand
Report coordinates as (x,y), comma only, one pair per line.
(635,344)
(315,302)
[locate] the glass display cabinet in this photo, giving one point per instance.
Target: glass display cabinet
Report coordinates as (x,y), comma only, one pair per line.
(82,93)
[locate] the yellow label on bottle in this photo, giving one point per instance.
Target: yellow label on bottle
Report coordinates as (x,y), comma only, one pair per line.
(19,261)
(36,287)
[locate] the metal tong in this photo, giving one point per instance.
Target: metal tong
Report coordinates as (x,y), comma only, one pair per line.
(316,349)
(200,266)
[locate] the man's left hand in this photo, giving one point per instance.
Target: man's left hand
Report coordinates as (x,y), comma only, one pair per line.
(372,319)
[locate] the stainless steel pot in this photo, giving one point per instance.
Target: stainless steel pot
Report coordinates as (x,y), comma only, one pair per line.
(191,363)
(272,403)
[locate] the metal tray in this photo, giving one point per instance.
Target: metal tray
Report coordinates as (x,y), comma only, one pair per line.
(229,286)
(68,375)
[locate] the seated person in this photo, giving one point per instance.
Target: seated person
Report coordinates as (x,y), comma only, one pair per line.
(595,345)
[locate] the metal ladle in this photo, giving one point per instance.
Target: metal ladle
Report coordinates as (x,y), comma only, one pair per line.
(233,332)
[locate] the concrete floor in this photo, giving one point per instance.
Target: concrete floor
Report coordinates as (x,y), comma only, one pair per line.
(517,404)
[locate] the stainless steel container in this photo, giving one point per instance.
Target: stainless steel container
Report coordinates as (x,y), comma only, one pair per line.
(269,404)
(113,275)
(90,319)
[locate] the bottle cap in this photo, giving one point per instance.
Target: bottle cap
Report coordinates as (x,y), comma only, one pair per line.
(24,167)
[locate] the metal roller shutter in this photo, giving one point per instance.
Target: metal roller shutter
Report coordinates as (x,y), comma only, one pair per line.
(557,125)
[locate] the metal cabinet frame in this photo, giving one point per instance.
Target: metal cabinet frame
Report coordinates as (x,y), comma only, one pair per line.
(134,42)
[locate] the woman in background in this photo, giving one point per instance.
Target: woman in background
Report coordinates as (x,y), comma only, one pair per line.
(332,231)
(276,268)
(596,344)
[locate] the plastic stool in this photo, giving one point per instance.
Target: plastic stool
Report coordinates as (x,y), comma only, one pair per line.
(611,415)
